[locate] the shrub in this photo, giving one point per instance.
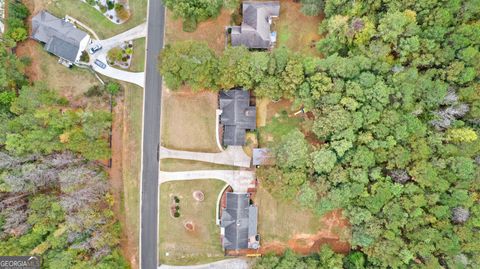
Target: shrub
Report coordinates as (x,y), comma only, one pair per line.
(115,54)
(103,8)
(113,88)
(176,199)
(122,13)
(176,214)
(95,90)
(84,57)
(111,5)
(189,25)
(129,51)
(91,2)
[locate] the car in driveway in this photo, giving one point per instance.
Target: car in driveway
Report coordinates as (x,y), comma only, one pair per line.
(95,48)
(100,64)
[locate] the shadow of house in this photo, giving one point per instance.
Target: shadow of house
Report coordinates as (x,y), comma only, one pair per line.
(255,30)
(60,37)
(237,116)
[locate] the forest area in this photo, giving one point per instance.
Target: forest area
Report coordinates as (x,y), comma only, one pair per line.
(396,106)
(54,194)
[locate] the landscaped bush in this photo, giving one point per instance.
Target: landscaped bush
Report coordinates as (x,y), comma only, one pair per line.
(115,54)
(103,8)
(122,12)
(84,57)
(111,5)
(91,2)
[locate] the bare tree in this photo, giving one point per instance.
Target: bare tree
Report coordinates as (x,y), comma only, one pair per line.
(460,215)
(400,176)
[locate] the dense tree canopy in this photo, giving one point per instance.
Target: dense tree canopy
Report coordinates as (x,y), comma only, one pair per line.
(194,11)
(396,105)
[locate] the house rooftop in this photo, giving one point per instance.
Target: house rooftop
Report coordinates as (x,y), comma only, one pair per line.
(59,36)
(254,31)
(239,219)
(237,116)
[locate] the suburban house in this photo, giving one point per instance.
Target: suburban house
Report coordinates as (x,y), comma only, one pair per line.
(237,116)
(238,223)
(262,156)
(255,32)
(60,37)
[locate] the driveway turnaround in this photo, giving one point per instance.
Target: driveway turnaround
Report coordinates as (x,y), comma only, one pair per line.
(137,78)
(107,44)
(152,101)
(237,263)
(240,181)
(233,155)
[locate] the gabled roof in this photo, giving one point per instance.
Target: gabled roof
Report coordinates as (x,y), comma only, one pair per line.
(239,219)
(255,29)
(237,116)
(60,37)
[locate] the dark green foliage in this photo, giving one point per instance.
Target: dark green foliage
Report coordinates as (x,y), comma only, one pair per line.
(397,90)
(325,259)
(16,27)
(194,11)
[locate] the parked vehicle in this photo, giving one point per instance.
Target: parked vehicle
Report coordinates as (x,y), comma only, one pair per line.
(95,48)
(100,64)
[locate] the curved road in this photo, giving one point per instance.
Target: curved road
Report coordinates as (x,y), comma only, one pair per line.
(152,100)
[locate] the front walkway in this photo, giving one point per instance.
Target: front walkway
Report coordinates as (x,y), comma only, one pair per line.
(233,155)
(237,263)
(240,181)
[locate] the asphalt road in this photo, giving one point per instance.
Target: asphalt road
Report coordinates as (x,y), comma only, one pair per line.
(151,137)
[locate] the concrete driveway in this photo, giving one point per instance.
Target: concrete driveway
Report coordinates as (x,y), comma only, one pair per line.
(107,44)
(240,181)
(237,263)
(233,155)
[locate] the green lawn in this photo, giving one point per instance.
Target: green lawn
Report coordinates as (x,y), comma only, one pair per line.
(173,165)
(275,218)
(94,19)
(132,137)
(138,57)
(279,126)
(177,246)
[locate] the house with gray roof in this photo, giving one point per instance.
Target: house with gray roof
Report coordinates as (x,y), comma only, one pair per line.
(237,116)
(255,32)
(60,37)
(239,223)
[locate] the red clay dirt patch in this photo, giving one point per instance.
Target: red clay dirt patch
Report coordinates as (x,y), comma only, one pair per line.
(311,243)
(26,49)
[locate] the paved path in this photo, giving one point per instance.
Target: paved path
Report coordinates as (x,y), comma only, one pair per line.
(107,44)
(137,78)
(233,155)
(134,33)
(240,181)
(152,101)
(237,263)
